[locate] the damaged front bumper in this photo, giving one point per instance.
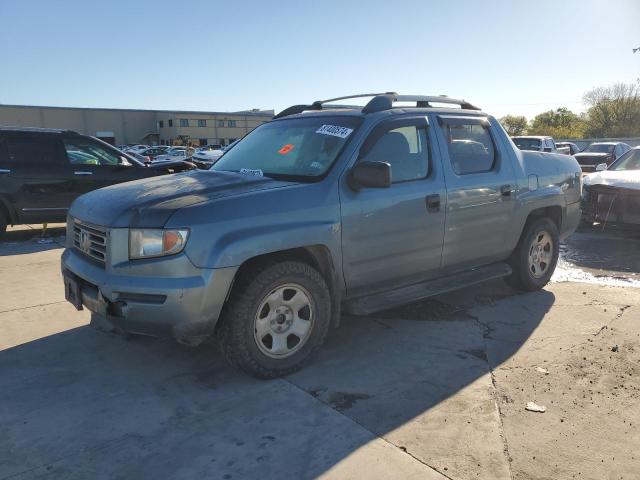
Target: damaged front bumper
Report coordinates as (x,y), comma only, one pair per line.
(611,205)
(183,307)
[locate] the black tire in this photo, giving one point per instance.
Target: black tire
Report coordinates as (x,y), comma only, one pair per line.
(523,277)
(3,225)
(237,332)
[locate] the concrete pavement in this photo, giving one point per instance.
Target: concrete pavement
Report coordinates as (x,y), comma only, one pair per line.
(433,390)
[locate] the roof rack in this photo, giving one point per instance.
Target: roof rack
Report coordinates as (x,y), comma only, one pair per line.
(380,102)
(317,105)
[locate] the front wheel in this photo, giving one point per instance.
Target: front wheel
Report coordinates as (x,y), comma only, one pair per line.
(535,258)
(277,318)
(3,226)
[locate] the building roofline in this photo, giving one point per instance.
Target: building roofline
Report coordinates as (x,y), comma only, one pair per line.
(261,113)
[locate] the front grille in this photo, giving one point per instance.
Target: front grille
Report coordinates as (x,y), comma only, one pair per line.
(90,240)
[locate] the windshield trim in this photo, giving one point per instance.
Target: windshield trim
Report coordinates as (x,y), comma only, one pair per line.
(302,178)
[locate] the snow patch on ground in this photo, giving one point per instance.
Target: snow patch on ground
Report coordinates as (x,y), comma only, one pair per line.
(567,272)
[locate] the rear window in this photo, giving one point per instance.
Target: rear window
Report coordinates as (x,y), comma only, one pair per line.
(471,148)
(527,143)
(31,149)
(600,148)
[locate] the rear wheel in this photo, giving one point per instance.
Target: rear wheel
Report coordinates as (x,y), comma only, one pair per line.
(534,260)
(277,318)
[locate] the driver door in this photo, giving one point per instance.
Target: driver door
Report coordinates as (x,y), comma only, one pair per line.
(94,166)
(393,236)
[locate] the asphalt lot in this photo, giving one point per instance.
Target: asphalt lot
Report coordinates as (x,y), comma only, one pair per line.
(433,390)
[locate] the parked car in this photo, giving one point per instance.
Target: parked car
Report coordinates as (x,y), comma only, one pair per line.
(174,153)
(600,152)
(573,148)
(153,152)
(43,170)
(612,194)
(318,211)
(212,146)
(139,157)
(538,144)
(136,148)
(206,158)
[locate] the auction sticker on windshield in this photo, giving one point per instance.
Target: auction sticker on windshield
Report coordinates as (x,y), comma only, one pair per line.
(286,149)
(249,171)
(335,130)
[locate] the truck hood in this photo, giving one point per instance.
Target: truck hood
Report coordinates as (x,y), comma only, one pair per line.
(620,179)
(149,202)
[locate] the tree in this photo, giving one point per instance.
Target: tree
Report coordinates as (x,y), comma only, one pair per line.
(614,111)
(560,123)
(514,124)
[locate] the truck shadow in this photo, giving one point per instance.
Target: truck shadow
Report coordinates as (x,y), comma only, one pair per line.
(83,403)
(20,241)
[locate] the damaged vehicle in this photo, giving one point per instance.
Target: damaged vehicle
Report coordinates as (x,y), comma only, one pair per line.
(42,171)
(611,196)
(323,210)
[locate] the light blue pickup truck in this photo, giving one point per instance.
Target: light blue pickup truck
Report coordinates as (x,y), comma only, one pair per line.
(322,210)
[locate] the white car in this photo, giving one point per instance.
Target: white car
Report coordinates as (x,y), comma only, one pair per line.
(136,148)
(174,153)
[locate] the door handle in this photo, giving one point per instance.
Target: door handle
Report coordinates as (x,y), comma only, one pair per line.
(83,173)
(506,190)
(5,170)
(433,203)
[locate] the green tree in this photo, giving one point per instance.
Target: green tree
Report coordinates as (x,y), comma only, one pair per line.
(613,111)
(514,124)
(560,123)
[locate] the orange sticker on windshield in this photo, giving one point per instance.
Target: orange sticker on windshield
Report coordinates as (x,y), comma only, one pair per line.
(286,149)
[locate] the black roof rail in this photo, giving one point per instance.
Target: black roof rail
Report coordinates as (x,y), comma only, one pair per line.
(380,102)
(385,102)
(317,105)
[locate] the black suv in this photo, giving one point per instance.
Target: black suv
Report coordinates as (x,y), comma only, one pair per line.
(43,170)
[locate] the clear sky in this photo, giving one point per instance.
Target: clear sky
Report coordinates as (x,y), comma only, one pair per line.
(505,56)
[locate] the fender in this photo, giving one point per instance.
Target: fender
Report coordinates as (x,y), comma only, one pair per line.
(234,248)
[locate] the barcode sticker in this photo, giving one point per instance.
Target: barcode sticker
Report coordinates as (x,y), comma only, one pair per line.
(335,130)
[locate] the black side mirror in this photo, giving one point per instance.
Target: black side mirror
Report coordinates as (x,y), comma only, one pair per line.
(370,174)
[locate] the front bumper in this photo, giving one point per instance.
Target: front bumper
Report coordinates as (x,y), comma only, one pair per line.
(611,205)
(185,306)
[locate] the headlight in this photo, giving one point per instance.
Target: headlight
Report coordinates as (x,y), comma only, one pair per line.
(145,243)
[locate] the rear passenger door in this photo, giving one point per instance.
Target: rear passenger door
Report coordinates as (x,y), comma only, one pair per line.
(481,188)
(393,236)
(33,179)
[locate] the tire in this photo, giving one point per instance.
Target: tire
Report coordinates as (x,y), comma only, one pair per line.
(535,258)
(269,309)
(3,225)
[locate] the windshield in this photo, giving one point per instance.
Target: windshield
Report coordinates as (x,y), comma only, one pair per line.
(298,147)
(628,161)
(527,143)
(600,148)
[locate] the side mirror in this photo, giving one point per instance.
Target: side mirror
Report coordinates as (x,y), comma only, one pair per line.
(370,174)
(600,167)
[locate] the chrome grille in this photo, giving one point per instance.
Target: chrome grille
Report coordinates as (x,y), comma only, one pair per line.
(90,240)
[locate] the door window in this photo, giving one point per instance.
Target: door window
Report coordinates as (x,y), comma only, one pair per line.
(81,151)
(33,150)
(406,149)
(471,148)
